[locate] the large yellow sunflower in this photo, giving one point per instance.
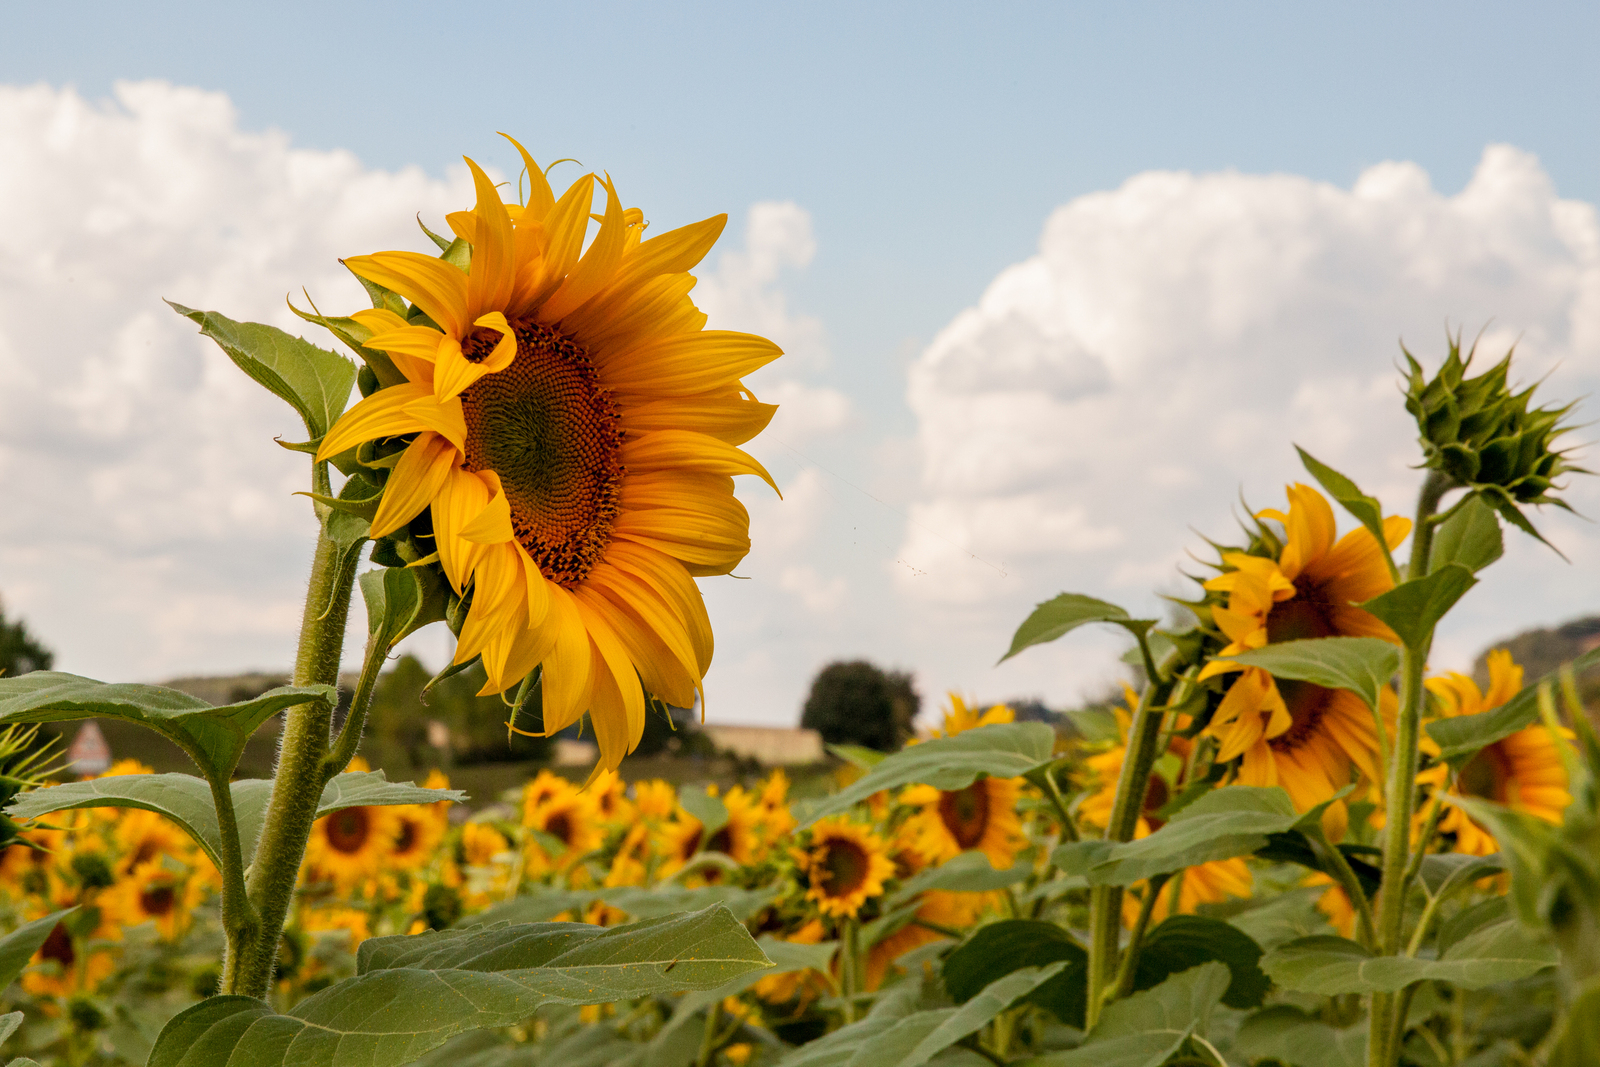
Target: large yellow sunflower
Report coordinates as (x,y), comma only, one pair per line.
(1300,736)
(1524,771)
(576,434)
(349,846)
(981,816)
(846,866)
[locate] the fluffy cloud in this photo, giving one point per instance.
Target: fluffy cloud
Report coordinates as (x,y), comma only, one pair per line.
(1116,392)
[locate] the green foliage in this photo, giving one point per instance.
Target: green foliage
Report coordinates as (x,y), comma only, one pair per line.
(998,949)
(857,703)
(1412,609)
(1148,1028)
(1366,509)
(412,993)
(17,947)
(1289,1035)
(397,722)
(1363,665)
(1185,941)
(1579,1044)
(1499,952)
(1469,538)
(1066,612)
(213,737)
(314,381)
(999,750)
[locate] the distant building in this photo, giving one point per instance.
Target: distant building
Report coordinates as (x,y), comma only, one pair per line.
(89,754)
(774,746)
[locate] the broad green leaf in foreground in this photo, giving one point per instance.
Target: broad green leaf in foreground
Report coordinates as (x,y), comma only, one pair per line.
(1185,941)
(1287,1034)
(1065,613)
(213,737)
(1232,821)
(1362,665)
(1000,750)
(18,947)
(1144,1030)
(639,902)
(8,1024)
(1501,952)
(1471,537)
(314,381)
(410,994)
(1579,1044)
(1463,735)
(1411,609)
(999,948)
(186,800)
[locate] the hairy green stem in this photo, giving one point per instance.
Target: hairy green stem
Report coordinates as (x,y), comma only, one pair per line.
(1346,877)
(355,720)
(1130,955)
(849,979)
(298,781)
(240,923)
(1401,789)
(1105,902)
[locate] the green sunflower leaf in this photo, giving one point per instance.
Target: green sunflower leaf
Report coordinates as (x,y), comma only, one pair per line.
(1462,736)
(213,737)
(969,872)
(9,1023)
(1412,609)
(710,810)
(1288,1035)
(1579,1044)
(1066,613)
(999,750)
(1366,509)
(412,993)
(1363,665)
(999,948)
(1233,821)
(1184,941)
(1471,537)
(18,947)
(652,903)
(1500,952)
(1148,1028)
(402,600)
(314,381)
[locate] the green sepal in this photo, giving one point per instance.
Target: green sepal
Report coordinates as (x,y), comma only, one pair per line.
(1366,509)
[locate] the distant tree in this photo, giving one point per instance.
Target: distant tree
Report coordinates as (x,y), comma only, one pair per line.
(858,703)
(20,651)
(1543,650)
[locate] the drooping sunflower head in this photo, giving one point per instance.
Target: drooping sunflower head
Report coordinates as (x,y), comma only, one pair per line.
(1524,771)
(1301,583)
(845,866)
(572,430)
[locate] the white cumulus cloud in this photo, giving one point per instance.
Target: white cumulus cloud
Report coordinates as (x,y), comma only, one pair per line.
(1119,390)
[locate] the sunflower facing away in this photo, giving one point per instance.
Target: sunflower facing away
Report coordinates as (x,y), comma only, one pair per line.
(1523,771)
(575,437)
(1300,736)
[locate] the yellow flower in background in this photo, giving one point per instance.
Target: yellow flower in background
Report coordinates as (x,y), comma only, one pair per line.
(1300,736)
(955,911)
(1523,771)
(481,843)
(961,718)
(126,766)
(804,986)
(350,922)
(576,437)
(611,798)
(418,830)
(631,864)
(154,893)
(846,866)
(655,799)
(740,839)
(350,846)
(65,965)
(144,836)
(982,816)
(571,816)
(680,841)
(772,803)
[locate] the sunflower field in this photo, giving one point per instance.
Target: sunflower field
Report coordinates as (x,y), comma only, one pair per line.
(1292,844)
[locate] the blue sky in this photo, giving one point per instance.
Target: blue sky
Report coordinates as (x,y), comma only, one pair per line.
(912,158)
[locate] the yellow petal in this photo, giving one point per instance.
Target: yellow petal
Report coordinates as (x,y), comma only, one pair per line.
(668,578)
(686,450)
(540,198)
(383,414)
(506,350)
(492,525)
(496,605)
(689,364)
(566,226)
(452,371)
(435,286)
(414,482)
(615,738)
(673,252)
(444,419)
(461,497)
(596,267)
(730,417)
(419,341)
(567,677)
(492,272)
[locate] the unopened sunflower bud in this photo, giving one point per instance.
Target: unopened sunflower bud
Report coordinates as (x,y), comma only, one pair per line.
(1487,438)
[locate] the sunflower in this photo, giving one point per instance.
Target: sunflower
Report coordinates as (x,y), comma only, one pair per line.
(740,838)
(982,816)
(776,819)
(481,843)
(631,864)
(611,799)
(937,907)
(681,838)
(803,985)
(145,836)
(1300,736)
(65,964)
(846,866)
(654,800)
(572,818)
(1523,771)
(418,830)
(575,437)
(961,718)
(153,892)
(350,846)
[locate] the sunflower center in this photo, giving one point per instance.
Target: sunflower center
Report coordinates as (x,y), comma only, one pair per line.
(1307,614)
(407,836)
(721,841)
(560,826)
(1307,704)
(965,813)
(58,947)
(844,867)
(551,433)
(1485,775)
(349,829)
(157,900)
(1156,795)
